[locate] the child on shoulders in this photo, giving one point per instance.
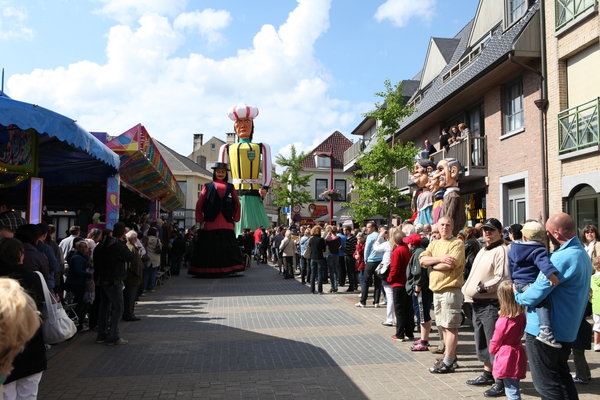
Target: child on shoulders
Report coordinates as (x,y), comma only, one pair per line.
(526,259)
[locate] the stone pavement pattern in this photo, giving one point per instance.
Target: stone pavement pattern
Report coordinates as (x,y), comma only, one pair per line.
(258,336)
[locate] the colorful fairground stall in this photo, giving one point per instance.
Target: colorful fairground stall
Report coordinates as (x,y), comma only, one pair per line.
(144,170)
(45,157)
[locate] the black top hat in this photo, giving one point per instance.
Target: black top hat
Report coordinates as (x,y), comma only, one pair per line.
(220,165)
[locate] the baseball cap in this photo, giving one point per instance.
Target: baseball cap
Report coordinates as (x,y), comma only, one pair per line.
(492,223)
(412,239)
(534,231)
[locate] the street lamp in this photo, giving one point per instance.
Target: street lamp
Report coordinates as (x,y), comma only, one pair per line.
(331,186)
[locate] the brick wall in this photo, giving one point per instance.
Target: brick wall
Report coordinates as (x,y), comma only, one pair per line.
(558,48)
(515,154)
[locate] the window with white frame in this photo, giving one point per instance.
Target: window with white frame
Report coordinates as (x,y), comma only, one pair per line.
(213,146)
(320,186)
(515,10)
(340,184)
(513,106)
(517,204)
(323,162)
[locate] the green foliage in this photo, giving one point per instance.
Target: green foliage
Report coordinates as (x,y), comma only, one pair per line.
(292,183)
(375,192)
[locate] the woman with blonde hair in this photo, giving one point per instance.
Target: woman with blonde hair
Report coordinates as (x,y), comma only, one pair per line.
(19,321)
(28,365)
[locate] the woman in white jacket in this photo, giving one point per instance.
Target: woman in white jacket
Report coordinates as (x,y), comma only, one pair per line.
(287,249)
(154,249)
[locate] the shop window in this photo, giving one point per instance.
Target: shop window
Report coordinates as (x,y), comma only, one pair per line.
(585,207)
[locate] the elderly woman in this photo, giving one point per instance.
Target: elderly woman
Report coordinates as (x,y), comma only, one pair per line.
(288,249)
(77,278)
(134,277)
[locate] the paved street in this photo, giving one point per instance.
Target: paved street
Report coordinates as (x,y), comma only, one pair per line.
(259,336)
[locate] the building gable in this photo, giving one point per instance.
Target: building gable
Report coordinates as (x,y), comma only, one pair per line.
(489,14)
(438,55)
(338,142)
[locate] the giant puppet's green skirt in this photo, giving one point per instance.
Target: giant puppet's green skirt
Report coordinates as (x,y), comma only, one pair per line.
(253,214)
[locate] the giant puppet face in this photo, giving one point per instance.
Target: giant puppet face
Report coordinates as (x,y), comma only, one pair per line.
(447,173)
(243,127)
(421,171)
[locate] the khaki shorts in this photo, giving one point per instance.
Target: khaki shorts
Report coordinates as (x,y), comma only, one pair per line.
(447,306)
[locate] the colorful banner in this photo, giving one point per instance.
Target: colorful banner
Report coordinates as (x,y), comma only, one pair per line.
(18,155)
(112,201)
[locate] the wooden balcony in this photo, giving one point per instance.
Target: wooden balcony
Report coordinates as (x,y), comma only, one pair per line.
(471,153)
(402,177)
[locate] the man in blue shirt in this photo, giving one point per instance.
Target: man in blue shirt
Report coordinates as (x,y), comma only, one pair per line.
(372,260)
(549,369)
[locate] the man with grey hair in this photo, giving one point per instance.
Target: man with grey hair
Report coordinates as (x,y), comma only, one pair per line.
(66,245)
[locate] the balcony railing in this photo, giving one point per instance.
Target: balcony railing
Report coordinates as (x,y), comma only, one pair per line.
(578,127)
(353,151)
(401,179)
(470,152)
(566,11)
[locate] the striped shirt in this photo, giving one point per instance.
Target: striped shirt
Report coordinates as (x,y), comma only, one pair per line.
(351,241)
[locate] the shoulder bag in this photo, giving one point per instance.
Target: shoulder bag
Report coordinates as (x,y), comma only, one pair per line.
(383,270)
(57,326)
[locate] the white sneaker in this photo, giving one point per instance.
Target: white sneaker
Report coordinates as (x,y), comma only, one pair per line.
(597,347)
(359,304)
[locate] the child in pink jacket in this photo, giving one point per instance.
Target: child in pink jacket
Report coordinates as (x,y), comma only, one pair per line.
(510,361)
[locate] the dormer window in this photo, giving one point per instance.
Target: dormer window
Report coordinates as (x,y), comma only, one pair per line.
(515,9)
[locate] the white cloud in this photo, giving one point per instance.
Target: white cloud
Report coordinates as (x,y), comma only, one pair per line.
(400,11)
(12,23)
(207,23)
(127,11)
(174,97)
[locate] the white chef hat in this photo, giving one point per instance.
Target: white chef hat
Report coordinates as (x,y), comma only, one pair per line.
(242,110)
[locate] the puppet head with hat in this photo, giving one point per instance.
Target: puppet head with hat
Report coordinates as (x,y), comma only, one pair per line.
(243,116)
(220,171)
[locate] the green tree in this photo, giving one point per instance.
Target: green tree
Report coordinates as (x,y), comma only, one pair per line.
(374,182)
(292,181)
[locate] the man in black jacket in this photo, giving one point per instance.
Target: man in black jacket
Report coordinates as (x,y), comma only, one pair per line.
(110,257)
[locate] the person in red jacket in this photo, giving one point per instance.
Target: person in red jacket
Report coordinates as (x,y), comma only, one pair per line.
(359,256)
(402,306)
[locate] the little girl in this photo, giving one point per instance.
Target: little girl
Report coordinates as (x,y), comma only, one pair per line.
(510,362)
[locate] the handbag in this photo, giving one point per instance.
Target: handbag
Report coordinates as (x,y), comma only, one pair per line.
(383,270)
(307,252)
(57,326)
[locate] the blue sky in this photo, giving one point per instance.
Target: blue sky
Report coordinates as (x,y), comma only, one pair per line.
(176,66)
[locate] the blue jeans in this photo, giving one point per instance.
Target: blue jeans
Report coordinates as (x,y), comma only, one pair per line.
(361,275)
(149,278)
(111,305)
(542,309)
(511,389)
(317,267)
(333,262)
(549,369)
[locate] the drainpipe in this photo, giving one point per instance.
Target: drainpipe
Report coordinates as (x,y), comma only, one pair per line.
(541,104)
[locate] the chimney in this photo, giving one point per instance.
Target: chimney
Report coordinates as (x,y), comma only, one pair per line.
(230,137)
(201,161)
(198,139)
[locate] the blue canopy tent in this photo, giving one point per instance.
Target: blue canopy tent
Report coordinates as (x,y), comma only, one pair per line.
(66,153)
(37,142)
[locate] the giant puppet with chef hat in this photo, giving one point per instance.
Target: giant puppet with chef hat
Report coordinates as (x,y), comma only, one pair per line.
(247,160)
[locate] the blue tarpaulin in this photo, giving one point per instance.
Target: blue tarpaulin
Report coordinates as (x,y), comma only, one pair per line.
(59,138)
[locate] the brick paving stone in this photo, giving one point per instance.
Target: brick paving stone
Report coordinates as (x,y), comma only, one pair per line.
(258,336)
